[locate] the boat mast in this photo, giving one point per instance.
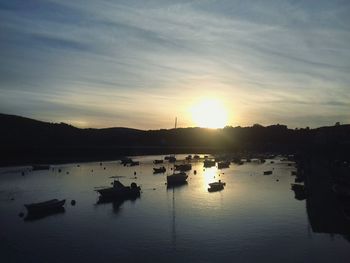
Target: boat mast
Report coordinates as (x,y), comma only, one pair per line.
(175,122)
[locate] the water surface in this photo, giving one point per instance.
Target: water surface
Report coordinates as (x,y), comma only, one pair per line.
(254,219)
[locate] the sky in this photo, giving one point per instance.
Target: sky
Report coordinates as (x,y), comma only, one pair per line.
(141,63)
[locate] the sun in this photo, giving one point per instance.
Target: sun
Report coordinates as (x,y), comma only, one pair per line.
(209,113)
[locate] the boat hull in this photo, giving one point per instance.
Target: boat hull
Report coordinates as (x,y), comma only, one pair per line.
(126,192)
(47,206)
(216,188)
(176,179)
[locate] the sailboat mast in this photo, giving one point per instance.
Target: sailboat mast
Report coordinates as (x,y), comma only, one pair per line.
(175,122)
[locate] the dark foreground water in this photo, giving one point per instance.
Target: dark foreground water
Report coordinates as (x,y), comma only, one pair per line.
(254,219)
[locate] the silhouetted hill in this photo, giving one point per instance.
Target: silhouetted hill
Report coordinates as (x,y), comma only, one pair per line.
(25,140)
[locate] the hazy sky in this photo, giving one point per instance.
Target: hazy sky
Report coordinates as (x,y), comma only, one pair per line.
(141,63)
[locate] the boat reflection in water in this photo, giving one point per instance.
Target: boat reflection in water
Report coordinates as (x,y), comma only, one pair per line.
(118,194)
(327,213)
(43,209)
(116,202)
(33,216)
(178,185)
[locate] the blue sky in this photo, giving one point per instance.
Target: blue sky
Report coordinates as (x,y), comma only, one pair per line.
(141,63)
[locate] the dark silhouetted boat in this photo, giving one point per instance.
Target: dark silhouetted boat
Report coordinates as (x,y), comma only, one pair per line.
(299,191)
(267,172)
(209,163)
(196,157)
(37,167)
(170,159)
(40,215)
(224,164)
(189,157)
(216,186)
(120,191)
(177,178)
(46,206)
(158,161)
(132,163)
(125,161)
(183,167)
(159,170)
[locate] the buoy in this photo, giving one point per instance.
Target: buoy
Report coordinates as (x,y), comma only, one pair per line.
(104,168)
(73,202)
(67,172)
(100,164)
(22,173)
(59,170)
(12,199)
(21,214)
(277,180)
(135,173)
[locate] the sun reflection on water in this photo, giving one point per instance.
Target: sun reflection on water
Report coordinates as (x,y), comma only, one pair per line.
(210,175)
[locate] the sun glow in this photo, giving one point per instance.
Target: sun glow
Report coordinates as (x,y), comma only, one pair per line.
(209,113)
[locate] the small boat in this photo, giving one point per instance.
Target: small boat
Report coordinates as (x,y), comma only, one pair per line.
(267,172)
(132,163)
(45,206)
(37,167)
(299,191)
(170,159)
(177,178)
(120,191)
(209,163)
(126,161)
(183,167)
(224,164)
(158,161)
(298,187)
(189,157)
(159,170)
(196,157)
(216,186)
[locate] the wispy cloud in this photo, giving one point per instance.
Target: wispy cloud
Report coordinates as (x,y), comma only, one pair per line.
(136,63)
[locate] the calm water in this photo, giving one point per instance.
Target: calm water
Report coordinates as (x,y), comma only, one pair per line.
(254,219)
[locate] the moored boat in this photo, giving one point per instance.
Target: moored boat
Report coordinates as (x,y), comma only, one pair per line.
(159,170)
(209,163)
(216,186)
(37,167)
(158,161)
(183,167)
(223,164)
(45,206)
(120,191)
(267,172)
(189,157)
(177,178)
